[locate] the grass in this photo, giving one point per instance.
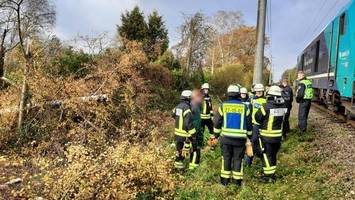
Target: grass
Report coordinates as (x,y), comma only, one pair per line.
(299,176)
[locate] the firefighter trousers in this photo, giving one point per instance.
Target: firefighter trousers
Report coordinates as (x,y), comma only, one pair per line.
(208,123)
(232,161)
(269,160)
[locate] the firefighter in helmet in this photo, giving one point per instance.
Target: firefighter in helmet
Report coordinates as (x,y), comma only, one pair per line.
(206,111)
(233,123)
(184,129)
(270,117)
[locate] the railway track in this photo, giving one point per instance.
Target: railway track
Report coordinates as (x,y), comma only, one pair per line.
(340,118)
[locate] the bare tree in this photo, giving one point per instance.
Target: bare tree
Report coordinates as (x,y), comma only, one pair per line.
(93,44)
(195,38)
(224,23)
(29,18)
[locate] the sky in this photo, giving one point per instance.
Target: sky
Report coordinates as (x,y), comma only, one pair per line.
(293,23)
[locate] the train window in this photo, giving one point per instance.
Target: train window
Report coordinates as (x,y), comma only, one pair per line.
(342,26)
(316,64)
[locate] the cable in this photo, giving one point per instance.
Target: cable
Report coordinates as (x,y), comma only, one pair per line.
(325,18)
(314,18)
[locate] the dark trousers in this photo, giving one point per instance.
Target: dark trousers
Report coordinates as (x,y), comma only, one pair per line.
(195,156)
(270,151)
(232,161)
(179,158)
(208,123)
(286,123)
(303,112)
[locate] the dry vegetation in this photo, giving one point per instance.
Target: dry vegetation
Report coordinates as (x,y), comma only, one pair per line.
(87,149)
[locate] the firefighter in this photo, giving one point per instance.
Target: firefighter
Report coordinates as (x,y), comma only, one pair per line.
(287,94)
(256,102)
(207,112)
(233,123)
(197,140)
(244,95)
(304,98)
(271,117)
(184,129)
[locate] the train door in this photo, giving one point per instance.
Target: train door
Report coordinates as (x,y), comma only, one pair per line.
(343,68)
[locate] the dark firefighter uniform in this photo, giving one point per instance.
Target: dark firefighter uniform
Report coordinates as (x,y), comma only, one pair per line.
(206,113)
(233,123)
(257,103)
(287,95)
(304,98)
(184,129)
(271,117)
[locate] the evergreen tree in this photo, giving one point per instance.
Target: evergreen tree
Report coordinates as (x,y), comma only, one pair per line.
(133,25)
(157,37)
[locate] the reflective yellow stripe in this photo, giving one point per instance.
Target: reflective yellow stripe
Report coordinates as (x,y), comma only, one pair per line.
(179,165)
(274,133)
(205,116)
(181,133)
(225,174)
(263,110)
(192,131)
(220,111)
(270,123)
(215,130)
(186,112)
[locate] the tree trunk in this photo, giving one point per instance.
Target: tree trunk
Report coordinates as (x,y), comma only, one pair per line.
(23,99)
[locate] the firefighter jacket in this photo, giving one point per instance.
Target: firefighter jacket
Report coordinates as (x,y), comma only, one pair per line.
(271,117)
(233,120)
(184,126)
(257,102)
(206,112)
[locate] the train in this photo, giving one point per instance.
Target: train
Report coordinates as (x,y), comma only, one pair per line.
(329,61)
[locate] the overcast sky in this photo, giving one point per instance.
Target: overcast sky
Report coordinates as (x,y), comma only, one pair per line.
(293,22)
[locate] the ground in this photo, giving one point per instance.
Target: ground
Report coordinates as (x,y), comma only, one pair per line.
(318,165)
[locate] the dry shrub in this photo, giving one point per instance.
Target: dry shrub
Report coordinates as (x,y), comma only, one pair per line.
(123,172)
(158,74)
(91,149)
(230,74)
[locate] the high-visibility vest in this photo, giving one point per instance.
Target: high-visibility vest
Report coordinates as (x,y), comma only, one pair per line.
(308,92)
(257,104)
(234,119)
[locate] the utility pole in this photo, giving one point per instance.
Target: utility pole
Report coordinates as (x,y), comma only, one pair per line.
(259,55)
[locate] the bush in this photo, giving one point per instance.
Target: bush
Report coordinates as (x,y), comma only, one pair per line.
(70,62)
(158,74)
(230,74)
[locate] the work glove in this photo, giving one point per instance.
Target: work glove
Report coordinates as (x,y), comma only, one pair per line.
(212,141)
(249,148)
(186,149)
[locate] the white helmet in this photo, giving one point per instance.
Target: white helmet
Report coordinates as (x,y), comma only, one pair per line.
(233,89)
(205,86)
(186,94)
(259,88)
(243,90)
(275,91)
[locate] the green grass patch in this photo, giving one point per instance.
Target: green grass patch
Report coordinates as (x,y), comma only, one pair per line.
(299,177)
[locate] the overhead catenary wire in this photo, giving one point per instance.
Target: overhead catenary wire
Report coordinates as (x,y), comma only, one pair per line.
(314,18)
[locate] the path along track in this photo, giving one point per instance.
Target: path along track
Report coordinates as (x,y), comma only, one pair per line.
(340,118)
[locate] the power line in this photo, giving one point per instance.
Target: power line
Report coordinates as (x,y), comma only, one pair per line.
(330,10)
(314,18)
